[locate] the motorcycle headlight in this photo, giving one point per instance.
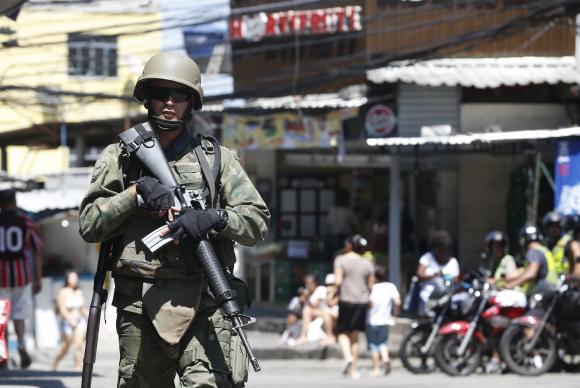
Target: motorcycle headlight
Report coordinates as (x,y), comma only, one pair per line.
(535,300)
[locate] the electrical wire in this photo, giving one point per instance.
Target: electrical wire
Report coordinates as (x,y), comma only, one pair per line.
(508,27)
(200,22)
(417,26)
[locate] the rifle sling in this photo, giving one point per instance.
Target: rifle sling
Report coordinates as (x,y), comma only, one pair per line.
(209,175)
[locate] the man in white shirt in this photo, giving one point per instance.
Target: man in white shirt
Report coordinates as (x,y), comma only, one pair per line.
(435,267)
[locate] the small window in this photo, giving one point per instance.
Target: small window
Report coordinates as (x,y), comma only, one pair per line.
(92,55)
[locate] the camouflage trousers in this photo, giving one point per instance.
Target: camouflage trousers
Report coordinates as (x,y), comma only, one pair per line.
(204,357)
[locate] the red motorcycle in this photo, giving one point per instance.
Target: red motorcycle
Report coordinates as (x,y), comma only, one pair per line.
(463,344)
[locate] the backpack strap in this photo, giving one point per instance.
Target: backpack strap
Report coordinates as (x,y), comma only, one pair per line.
(212,176)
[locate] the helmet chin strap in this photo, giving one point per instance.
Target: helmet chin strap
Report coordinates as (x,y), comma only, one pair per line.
(166,125)
(170,125)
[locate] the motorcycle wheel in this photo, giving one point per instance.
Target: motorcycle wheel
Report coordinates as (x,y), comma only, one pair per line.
(410,351)
(512,348)
(450,362)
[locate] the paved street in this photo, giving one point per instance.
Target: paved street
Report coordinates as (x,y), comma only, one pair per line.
(287,373)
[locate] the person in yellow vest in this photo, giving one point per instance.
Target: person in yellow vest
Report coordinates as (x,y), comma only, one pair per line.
(556,242)
(533,278)
(572,251)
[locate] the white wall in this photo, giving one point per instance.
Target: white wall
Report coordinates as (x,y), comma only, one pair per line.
(61,237)
(476,117)
(484,182)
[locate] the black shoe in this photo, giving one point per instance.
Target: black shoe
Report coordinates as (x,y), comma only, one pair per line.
(25,360)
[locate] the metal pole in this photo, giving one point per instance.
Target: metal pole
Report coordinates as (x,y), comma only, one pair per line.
(63,134)
(533,204)
(395,222)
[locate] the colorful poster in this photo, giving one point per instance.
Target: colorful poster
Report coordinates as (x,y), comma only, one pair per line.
(567,195)
(281,131)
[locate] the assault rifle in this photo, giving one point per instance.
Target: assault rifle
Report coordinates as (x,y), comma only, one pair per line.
(144,144)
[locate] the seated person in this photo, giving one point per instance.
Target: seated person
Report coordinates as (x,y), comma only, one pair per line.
(533,278)
(572,250)
(314,306)
(436,266)
(501,265)
(331,312)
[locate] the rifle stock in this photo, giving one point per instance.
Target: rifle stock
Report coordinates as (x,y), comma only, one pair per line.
(99,297)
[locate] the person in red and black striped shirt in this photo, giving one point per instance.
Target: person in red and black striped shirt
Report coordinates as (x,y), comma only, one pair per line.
(20,265)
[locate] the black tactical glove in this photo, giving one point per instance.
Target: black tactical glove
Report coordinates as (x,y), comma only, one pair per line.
(195,223)
(155,196)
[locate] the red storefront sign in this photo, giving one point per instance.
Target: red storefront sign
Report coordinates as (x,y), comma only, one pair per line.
(309,22)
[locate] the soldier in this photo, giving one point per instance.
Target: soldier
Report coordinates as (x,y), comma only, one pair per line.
(167,320)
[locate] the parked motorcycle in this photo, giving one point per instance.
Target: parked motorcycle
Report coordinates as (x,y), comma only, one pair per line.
(450,303)
(463,344)
(551,330)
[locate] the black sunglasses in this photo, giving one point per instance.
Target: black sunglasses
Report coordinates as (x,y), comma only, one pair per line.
(162,94)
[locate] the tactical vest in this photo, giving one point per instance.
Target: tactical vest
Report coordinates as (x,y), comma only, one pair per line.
(171,261)
(557,261)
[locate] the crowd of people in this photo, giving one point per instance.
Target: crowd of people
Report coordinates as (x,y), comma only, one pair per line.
(547,255)
(355,299)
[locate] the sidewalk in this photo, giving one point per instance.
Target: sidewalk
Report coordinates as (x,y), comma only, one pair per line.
(264,338)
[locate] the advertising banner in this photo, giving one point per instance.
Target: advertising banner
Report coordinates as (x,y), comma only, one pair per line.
(567,166)
(281,131)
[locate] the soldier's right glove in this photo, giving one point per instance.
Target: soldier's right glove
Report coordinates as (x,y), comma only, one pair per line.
(155,196)
(195,223)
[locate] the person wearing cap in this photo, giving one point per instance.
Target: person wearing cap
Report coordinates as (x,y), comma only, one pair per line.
(355,278)
(168,322)
(20,267)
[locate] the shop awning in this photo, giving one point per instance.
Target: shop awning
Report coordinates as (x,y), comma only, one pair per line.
(481,72)
(477,138)
(42,200)
(311,101)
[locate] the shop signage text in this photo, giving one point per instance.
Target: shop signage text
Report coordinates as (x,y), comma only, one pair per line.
(309,22)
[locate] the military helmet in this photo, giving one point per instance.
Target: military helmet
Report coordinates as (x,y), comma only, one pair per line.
(174,67)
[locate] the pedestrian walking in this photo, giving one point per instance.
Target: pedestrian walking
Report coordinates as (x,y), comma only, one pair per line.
(20,266)
(73,314)
(384,298)
(167,320)
(354,277)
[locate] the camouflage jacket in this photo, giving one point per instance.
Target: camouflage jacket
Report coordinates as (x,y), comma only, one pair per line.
(107,204)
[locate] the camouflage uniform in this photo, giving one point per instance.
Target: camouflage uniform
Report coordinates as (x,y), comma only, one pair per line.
(159,294)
